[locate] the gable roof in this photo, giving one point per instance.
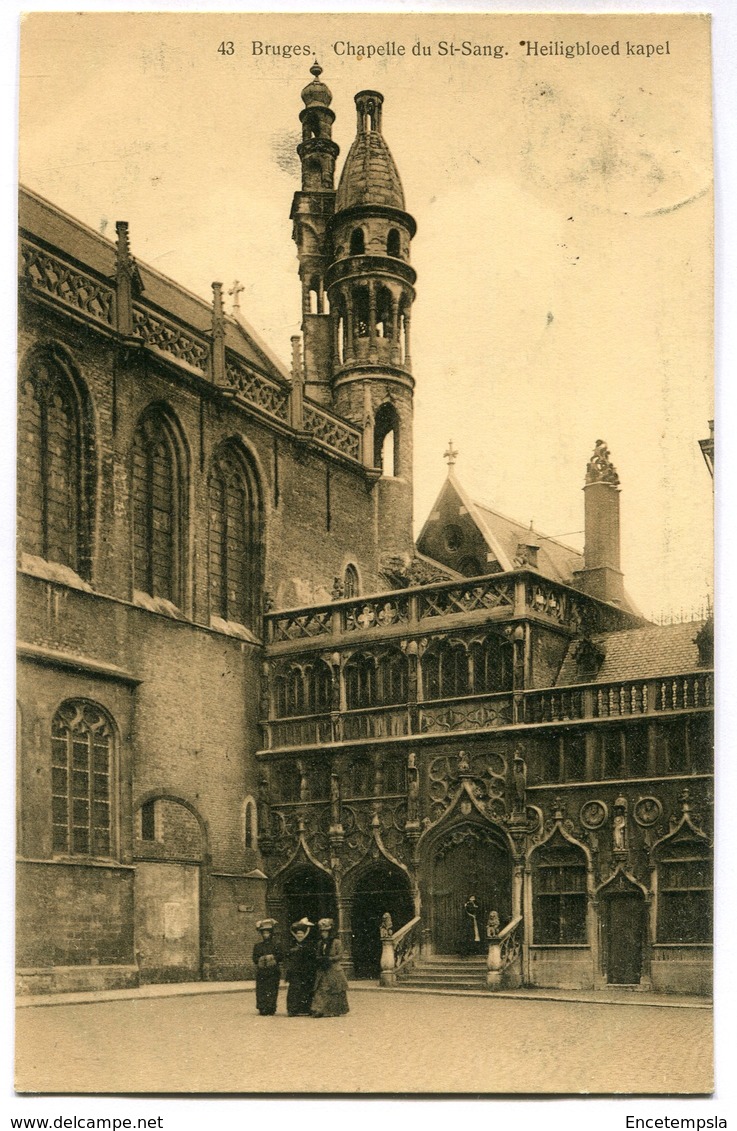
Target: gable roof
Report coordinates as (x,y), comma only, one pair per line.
(43,220)
(502,535)
(646,652)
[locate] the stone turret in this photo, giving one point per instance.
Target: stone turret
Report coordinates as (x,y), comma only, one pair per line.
(601,575)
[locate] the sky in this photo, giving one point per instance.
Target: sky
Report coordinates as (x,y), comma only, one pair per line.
(564,244)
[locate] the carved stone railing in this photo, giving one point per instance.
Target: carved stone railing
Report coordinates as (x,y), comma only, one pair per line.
(165,336)
(554,705)
(477,712)
(487,593)
(79,290)
(685,691)
(504,961)
(301,624)
(256,389)
(495,597)
(375,722)
(375,613)
(636,698)
(400,950)
(331,431)
(308,730)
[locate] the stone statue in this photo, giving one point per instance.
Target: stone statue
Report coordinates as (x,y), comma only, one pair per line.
(335,800)
(519,780)
(413,791)
(619,826)
(464,766)
(386,930)
(338,590)
(600,468)
(493,925)
(264,808)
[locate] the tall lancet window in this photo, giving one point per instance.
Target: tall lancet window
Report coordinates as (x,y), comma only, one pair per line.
(54,467)
(157,494)
(235,558)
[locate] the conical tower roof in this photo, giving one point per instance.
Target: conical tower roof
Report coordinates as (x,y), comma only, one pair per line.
(369,175)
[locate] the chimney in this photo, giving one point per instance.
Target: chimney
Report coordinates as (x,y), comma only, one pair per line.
(601,576)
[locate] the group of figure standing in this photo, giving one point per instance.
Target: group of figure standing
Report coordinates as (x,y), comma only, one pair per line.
(317,984)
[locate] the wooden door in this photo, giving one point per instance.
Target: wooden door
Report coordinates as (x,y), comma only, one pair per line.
(625,924)
(469,862)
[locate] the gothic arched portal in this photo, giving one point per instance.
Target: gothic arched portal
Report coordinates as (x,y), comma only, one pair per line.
(468,860)
(381,888)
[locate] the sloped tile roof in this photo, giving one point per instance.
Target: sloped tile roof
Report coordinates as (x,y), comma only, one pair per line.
(42,219)
(640,653)
(555,560)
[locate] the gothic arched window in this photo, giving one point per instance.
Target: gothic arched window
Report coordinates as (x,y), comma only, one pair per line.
(386,440)
(560,898)
(54,466)
(492,665)
(350,582)
(81,780)
(392,243)
(235,555)
(319,687)
(360,682)
(358,242)
(445,671)
(158,505)
(391,678)
(684,890)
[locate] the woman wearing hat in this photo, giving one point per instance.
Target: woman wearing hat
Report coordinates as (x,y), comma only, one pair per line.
(301,968)
(330,998)
(266,958)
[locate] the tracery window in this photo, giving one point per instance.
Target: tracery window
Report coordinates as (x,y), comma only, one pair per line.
(391,678)
(395,775)
(360,682)
(492,665)
(235,560)
(684,892)
(156,491)
(54,468)
(559,894)
(319,687)
(81,780)
(445,671)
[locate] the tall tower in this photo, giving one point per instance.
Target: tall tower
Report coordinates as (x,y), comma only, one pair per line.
(311,215)
(370,285)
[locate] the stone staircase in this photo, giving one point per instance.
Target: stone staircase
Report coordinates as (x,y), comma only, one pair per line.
(449,972)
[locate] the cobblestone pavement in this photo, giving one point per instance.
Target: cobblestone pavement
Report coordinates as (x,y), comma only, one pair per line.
(391,1043)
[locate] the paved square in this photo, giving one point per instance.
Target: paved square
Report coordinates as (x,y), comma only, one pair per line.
(390,1042)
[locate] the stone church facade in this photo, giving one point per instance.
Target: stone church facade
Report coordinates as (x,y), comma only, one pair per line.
(243,689)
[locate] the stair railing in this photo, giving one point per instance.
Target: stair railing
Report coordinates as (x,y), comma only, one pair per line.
(399,949)
(504,961)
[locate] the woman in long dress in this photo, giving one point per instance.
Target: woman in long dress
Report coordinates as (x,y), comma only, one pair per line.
(301,967)
(330,998)
(267,956)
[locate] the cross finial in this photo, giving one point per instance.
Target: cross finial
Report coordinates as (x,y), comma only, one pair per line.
(235,291)
(450,455)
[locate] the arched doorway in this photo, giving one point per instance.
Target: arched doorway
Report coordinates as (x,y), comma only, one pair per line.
(623,931)
(468,860)
(381,888)
(311,892)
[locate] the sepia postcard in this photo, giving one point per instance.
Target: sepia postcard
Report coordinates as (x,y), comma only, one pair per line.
(365,507)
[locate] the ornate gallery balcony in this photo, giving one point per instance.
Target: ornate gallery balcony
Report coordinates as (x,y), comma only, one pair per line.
(473,713)
(517,595)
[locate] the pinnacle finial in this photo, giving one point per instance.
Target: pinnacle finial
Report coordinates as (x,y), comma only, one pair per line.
(451,455)
(316,69)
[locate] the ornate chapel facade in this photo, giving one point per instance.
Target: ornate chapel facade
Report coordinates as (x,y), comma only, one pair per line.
(244,690)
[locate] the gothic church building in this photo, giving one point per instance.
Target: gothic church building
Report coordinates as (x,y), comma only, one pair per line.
(244,690)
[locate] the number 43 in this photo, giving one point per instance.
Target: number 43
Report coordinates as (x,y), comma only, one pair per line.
(226,47)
